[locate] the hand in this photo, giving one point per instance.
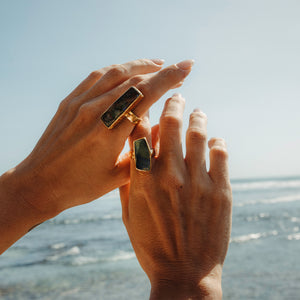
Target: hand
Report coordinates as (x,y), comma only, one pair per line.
(77,158)
(178,215)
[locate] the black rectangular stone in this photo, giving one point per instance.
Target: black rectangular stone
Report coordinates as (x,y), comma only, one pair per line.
(121,107)
(142,155)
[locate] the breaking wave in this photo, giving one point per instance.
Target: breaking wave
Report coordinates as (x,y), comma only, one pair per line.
(263,185)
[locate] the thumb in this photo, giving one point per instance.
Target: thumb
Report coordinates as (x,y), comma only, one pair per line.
(122,169)
(124,196)
(123,175)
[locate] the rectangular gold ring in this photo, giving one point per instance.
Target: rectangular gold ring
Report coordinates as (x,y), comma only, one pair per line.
(116,112)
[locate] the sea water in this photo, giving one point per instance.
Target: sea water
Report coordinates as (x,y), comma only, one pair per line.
(85,252)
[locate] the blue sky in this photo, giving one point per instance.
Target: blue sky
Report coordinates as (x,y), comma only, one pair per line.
(246,77)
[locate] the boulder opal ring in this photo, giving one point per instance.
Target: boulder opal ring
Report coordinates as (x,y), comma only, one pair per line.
(122,108)
(142,155)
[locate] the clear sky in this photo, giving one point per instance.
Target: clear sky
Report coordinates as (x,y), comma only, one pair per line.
(246,77)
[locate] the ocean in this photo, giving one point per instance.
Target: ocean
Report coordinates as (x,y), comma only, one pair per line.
(85,253)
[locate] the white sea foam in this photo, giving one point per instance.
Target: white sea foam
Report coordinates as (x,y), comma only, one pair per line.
(263,185)
(72,251)
(289,198)
(84,260)
(122,255)
(71,221)
(88,219)
(260,216)
(295,236)
(58,246)
(295,219)
(112,217)
(252,236)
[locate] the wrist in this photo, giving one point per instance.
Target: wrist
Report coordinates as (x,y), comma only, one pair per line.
(209,290)
(208,287)
(17,216)
(21,191)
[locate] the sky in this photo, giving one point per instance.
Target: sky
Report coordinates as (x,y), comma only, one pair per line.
(246,76)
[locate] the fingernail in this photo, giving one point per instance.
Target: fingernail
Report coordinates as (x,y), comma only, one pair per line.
(158,61)
(202,114)
(177,95)
(186,64)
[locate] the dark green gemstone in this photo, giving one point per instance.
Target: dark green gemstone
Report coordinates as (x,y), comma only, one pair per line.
(120,107)
(142,154)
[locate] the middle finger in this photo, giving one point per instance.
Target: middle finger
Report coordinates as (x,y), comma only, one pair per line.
(171,128)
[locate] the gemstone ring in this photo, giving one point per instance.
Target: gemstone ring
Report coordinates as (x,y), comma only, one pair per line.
(122,108)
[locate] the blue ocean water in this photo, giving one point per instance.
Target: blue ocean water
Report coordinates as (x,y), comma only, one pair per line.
(85,253)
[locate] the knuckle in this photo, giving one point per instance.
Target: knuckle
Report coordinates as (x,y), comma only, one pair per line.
(145,87)
(197,135)
(175,100)
(63,104)
(173,181)
(224,195)
(219,152)
(117,71)
(197,115)
(136,79)
(215,141)
(142,61)
(95,74)
(221,195)
(170,73)
(85,111)
(170,121)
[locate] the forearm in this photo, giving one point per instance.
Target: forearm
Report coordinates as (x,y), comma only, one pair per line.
(17,216)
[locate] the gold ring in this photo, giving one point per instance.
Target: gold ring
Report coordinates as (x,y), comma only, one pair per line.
(122,108)
(133,118)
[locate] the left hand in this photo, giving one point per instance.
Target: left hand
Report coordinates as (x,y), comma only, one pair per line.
(178,215)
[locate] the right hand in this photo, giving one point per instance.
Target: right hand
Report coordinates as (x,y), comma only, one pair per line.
(77,158)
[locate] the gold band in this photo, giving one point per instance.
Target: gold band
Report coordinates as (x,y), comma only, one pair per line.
(133,118)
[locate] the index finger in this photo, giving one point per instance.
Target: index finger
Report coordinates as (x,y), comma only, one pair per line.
(112,76)
(155,86)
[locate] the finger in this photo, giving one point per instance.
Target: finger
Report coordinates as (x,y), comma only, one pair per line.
(196,137)
(86,84)
(155,139)
(91,111)
(142,130)
(124,196)
(157,85)
(121,170)
(218,155)
(170,125)
(153,87)
(116,74)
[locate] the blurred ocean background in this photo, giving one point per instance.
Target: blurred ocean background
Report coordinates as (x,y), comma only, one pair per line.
(85,253)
